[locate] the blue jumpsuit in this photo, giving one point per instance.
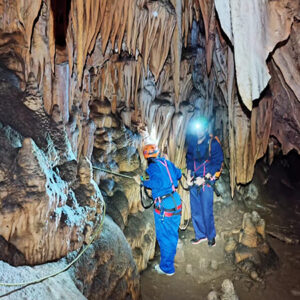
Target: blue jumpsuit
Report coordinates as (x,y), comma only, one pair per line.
(201,162)
(166,227)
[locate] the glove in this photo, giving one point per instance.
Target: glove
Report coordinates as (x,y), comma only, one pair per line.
(199,181)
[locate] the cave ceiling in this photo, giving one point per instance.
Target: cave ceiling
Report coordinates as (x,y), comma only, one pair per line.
(88,65)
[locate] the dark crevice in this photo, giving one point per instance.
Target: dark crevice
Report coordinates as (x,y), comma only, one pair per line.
(61,10)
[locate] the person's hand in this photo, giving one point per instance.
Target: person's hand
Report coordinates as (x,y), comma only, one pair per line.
(199,181)
(208,176)
(137,179)
(189,180)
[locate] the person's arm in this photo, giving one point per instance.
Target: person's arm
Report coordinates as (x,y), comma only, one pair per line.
(154,177)
(216,158)
(177,172)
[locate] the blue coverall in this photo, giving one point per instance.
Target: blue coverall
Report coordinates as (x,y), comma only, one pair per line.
(166,227)
(201,162)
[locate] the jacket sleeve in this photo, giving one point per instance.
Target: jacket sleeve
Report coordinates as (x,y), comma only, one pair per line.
(153,177)
(176,171)
(216,158)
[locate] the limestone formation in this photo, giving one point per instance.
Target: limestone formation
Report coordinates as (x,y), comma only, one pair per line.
(40,215)
(237,22)
(252,253)
(140,234)
(227,292)
(107,269)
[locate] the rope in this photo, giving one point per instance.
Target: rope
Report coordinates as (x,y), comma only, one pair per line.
(114,173)
(69,265)
(148,196)
(184,227)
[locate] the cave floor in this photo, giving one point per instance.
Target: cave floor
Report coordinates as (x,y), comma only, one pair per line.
(200,269)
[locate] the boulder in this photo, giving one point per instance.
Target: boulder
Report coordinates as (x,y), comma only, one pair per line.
(107,269)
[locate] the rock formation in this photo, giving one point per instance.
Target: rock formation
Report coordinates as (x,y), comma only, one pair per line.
(94,274)
(251,252)
(107,269)
(40,214)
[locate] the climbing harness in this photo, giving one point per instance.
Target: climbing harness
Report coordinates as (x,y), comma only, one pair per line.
(170,177)
(207,182)
(97,232)
(158,208)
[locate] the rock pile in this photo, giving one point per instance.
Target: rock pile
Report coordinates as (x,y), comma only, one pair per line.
(249,249)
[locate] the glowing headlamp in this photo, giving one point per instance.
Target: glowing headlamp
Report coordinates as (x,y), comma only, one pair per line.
(200,125)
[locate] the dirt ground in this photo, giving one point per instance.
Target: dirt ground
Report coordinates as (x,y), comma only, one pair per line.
(200,269)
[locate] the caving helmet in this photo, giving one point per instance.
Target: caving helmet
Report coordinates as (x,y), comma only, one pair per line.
(150,150)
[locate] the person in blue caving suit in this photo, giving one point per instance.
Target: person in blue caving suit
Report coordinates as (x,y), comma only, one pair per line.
(163,181)
(204,158)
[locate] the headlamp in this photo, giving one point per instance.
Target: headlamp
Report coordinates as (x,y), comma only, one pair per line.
(198,124)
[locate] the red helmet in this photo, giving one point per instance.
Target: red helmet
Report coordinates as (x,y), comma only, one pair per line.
(150,150)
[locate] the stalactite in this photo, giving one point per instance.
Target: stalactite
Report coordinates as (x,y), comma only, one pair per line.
(148,30)
(187,19)
(231,125)
(27,13)
(261,122)
(60,94)
(210,41)
(120,80)
(176,51)
(197,9)
(123,25)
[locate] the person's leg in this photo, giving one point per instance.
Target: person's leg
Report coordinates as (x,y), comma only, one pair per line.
(197,213)
(208,213)
(167,237)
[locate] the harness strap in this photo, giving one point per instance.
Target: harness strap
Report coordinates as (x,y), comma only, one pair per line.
(169,213)
(203,164)
(170,177)
(157,208)
(159,200)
